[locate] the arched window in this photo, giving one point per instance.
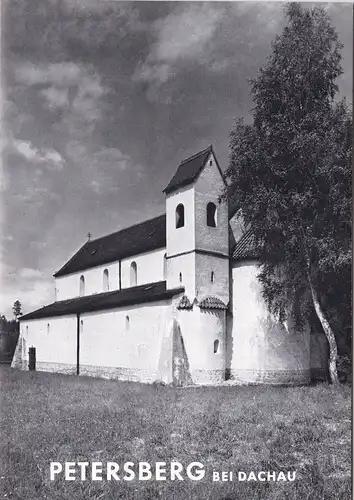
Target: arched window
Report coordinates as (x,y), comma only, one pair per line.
(211,215)
(133,274)
(127,322)
(48,328)
(105,280)
(165,266)
(179,215)
(212,277)
(82,286)
(216,346)
(180,277)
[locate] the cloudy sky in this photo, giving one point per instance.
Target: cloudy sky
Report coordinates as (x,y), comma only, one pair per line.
(101,100)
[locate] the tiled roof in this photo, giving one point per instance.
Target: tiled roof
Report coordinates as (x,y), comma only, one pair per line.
(143,237)
(108,300)
(189,170)
(246,247)
(185,303)
(212,303)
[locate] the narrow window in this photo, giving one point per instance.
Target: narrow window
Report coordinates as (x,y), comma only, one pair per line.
(133,274)
(27,330)
(211,215)
(81,326)
(165,266)
(179,215)
(127,322)
(216,346)
(82,286)
(212,277)
(180,277)
(210,162)
(48,328)
(105,280)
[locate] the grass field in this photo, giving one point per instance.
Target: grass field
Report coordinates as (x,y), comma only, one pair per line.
(47,417)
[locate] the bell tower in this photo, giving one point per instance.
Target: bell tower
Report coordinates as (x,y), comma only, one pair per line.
(197,229)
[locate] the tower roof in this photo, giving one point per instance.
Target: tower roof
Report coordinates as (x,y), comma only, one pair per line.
(189,169)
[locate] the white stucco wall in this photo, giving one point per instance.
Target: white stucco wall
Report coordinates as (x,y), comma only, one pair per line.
(184,264)
(200,329)
(149,267)
(260,349)
(107,341)
(182,239)
(205,265)
(55,346)
(68,286)
(108,347)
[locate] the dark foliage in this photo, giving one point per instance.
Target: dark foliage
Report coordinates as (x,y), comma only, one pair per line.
(291,172)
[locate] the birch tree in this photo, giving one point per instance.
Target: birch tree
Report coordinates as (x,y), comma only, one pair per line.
(290,170)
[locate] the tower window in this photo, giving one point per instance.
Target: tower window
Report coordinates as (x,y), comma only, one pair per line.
(211,215)
(216,346)
(105,280)
(180,277)
(27,330)
(82,286)
(165,266)
(48,328)
(212,277)
(81,326)
(127,322)
(179,215)
(133,274)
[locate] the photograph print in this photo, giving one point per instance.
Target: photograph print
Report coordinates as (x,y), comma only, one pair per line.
(176,256)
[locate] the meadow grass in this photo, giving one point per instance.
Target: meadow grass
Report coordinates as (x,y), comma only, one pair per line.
(50,417)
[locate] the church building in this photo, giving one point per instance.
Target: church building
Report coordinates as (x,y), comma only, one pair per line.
(174,298)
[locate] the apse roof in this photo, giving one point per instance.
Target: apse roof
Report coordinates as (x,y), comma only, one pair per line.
(246,248)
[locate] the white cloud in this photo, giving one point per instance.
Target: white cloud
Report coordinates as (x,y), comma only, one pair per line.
(106,167)
(70,86)
(31,287)
(29,273)
(61,74)
(50,157)
(181,36)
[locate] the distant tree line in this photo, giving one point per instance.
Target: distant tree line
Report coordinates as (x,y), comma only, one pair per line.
(9,332)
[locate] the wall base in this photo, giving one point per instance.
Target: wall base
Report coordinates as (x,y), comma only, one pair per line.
(272,377)
(204,377)
(118,373)
(67,369)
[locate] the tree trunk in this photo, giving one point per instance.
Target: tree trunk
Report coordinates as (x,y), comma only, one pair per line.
(333,351)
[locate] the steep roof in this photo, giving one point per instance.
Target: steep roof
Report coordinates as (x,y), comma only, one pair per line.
(143,237)
(108,300)
(189,169)
(246,248)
